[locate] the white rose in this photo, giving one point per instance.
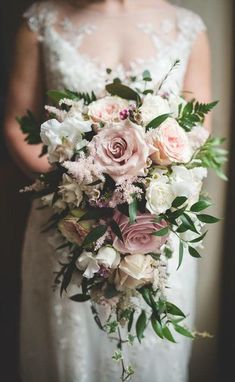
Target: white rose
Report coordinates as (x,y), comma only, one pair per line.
(108,257)
(159,195)
(107,109)
(62,138)
(70,191)
(187,182)
(152,107)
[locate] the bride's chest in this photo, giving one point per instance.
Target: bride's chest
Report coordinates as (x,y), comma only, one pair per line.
(85,58)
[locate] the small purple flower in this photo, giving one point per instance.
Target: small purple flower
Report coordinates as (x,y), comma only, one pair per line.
(124,114)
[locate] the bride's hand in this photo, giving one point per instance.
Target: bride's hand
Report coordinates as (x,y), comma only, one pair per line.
(25,92)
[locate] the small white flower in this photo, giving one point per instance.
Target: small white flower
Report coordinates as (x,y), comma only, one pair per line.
(70,191)
(159,195)
(108,256)
(62,138)
(87,263)
(152,107)
(48,199)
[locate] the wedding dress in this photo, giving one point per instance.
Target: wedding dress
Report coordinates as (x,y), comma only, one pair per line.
(60,342)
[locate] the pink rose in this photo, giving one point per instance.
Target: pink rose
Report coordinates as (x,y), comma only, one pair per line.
(121,150)
(171,143)
(107,109)
(137,237)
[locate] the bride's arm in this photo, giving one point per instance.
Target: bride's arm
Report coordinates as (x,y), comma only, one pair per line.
(25,92)
(198,75)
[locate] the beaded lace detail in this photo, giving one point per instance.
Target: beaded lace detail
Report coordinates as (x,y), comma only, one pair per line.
(59,338)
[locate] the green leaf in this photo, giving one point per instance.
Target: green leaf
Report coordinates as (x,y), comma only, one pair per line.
(174,310)
(30,127)
(123,91)
(187,221)
(200,206)
(147,76)
(179,201)
(198,239)
(183,331)
(156,122)
(116,229)
(133,210)
(80,298)
(94,235)
(96,213)
(181,253)
(157,327)
(167,334)
(193,252)
(130,321)
(161,232)
(141,325)
(146,295)
(207,219)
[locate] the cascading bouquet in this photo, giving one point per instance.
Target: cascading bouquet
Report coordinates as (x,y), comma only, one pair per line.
(126,177)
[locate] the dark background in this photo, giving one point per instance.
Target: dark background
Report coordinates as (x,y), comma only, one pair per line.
(13,216)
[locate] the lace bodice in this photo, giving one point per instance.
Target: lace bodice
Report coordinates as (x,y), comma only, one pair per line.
(80,45)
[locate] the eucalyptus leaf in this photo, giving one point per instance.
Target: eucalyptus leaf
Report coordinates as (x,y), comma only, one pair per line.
(179,201)
(198,239)
(94,235)
(157,327)
(174,310)
(161,232)
(141,325)
(193,252)
(80,298)
(167,334)
(183,331)
(116,229)
(181,253)
(133,210)
(156,122)
(123,91)
(207,219)
(200,206)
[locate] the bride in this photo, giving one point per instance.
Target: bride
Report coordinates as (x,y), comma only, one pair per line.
(71,44)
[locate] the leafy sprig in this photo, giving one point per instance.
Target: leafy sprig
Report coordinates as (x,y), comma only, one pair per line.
(193,113)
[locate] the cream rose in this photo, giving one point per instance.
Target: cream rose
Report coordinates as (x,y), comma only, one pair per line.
(120,150)
(107,109)
(70,191)
(152,107)
(134,271)
(171,143)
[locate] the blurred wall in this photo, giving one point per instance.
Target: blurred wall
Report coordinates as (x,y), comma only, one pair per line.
(217,15)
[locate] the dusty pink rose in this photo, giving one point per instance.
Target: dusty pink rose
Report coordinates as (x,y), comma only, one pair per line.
(171,143)
(107,109)
(121,150)
(137,237)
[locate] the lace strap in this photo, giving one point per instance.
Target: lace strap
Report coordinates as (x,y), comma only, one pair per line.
(190,24)
(38,16)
